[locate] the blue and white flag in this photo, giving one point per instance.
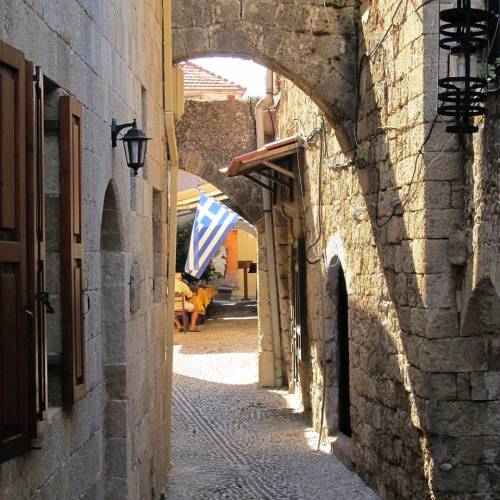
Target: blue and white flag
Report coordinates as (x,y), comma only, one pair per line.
(212,223)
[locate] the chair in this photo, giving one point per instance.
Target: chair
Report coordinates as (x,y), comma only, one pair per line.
(181,312)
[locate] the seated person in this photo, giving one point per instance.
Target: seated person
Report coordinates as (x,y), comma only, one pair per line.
(196,299)
(181,287)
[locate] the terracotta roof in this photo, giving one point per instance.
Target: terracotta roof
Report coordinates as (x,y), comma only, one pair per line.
(253,161)
(197,78)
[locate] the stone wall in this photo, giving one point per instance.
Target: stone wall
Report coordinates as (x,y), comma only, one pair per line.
(114,442)
(469,408)
(209,135)
(412,230)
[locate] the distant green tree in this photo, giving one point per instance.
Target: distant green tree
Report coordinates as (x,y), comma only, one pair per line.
(183,239)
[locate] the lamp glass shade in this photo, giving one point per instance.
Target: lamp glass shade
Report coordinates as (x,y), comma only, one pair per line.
(458,68)
(135,144)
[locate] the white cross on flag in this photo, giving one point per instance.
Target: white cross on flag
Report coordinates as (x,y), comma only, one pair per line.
(212,223)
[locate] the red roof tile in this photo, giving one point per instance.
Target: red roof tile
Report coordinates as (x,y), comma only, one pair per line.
(197,78)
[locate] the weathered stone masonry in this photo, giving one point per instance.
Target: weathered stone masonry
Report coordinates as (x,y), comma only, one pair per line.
(210,135)
(423,284)
(113,443)
(395,221)
(416,236)
(308,41)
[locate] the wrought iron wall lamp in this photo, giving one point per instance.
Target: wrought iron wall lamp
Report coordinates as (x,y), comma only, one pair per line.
(463,36)
(135,143)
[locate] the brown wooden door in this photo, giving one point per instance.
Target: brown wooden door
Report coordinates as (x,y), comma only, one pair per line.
(14,388)
(71,154)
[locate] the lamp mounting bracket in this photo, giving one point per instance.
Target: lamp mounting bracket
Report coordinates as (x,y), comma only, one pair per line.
(116,129)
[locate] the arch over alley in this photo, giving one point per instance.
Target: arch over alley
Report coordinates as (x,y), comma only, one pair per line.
(310,43)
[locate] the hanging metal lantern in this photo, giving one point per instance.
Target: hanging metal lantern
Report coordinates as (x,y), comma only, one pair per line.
(463,34)
(135,144)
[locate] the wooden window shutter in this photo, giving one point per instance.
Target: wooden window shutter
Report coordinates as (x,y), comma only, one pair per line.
(14,388)
(35,226)
(71,155)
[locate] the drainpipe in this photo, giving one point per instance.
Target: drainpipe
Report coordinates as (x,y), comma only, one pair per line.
(168,104)
(269,234)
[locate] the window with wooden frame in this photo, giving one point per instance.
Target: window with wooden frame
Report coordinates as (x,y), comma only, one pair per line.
(24,301)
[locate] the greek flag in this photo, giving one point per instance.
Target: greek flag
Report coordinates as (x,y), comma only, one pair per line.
(212,223)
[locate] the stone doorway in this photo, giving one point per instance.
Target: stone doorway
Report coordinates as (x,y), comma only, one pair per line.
(344,403)
(337,393)
(207,142)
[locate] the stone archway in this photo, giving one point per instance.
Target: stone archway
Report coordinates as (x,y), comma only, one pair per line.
(311,43)
(207,141)
(249,201)
(114,353)
(209,136)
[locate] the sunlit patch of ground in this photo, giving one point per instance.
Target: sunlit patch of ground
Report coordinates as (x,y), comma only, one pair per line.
(234,440)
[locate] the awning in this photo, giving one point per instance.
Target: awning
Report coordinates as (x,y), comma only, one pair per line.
(264,159)
(188,198)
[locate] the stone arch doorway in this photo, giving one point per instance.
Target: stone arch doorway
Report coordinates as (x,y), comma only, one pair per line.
(207,141)
(310,43)
(266,369)
(338,404)
(114,341)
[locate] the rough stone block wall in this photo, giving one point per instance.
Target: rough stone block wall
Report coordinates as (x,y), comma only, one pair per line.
(459,355)
(209,135)
(114,443)
(423,389)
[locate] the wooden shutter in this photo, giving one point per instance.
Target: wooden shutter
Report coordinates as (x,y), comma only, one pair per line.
(35,226)
(71,127)
(14,392)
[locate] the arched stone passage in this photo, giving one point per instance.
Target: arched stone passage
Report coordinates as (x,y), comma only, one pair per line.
(209,136)
(249,201)
(114,338)
(309,42)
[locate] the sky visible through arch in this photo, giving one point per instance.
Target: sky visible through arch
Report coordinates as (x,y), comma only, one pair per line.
(244,72)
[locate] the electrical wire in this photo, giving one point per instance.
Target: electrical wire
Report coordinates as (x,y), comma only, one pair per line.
(424,4)
(381,41)
(323,141)
(407,196)
(307,140)
(492,41)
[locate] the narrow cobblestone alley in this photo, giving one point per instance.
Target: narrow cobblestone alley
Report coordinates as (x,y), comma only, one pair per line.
(233,440)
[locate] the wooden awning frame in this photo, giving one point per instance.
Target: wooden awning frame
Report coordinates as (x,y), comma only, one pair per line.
(262,162)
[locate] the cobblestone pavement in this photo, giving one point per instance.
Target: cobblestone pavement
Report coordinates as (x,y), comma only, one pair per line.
(233,440)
